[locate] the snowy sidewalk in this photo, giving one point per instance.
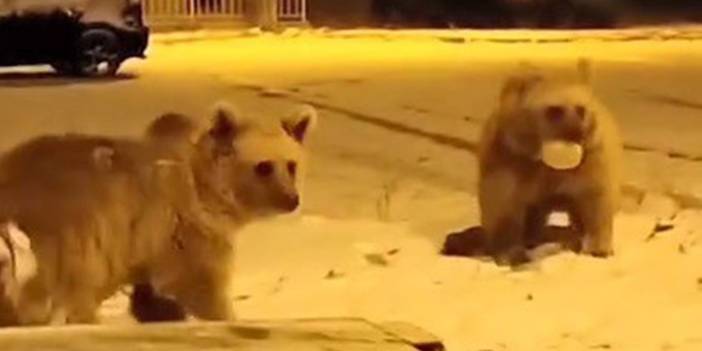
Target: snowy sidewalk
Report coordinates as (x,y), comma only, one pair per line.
(647,298)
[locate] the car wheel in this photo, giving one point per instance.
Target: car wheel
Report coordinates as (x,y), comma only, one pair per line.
(98,53)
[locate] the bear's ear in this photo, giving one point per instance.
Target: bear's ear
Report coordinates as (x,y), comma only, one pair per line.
(300,122)
(172,126)
(224,125)
(585,71)
(519,83)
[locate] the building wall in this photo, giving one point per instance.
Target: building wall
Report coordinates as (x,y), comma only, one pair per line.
(339,13)
(501,13)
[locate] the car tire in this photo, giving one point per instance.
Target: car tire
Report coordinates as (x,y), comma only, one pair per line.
(98,53)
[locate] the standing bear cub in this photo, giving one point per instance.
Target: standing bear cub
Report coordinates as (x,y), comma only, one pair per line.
(157,212)
(549,145)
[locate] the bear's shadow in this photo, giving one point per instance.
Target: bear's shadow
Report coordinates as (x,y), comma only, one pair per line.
(472,242)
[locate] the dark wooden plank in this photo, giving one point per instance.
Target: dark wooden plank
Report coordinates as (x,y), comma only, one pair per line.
(411,334)
(298,335)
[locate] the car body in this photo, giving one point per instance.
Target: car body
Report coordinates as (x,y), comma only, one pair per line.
(77,39)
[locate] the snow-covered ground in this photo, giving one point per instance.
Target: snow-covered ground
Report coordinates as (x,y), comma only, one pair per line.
(392,173)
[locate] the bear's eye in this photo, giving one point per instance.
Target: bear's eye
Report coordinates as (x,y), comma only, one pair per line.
(555,113)
(292,168)
(264,169)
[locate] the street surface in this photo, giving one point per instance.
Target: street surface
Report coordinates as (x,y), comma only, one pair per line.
(392,168)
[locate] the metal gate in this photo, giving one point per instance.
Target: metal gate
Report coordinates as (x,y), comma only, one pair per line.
(181,9)
(175,10)
(292,10)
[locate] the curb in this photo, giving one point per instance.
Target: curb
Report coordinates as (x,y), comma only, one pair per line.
(531,36)
(197,36)
(459,36)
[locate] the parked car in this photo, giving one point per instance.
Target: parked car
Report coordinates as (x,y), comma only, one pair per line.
(91,39)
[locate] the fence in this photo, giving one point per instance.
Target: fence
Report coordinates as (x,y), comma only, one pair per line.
(292,10)
(179,10)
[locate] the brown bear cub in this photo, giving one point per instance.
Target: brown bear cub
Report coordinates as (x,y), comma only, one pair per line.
(158,212)
(549,145)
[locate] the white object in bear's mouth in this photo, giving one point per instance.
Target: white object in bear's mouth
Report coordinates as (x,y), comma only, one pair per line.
(562,155)
(558,219)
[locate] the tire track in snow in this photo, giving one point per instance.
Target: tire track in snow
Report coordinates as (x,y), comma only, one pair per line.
(438,138)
